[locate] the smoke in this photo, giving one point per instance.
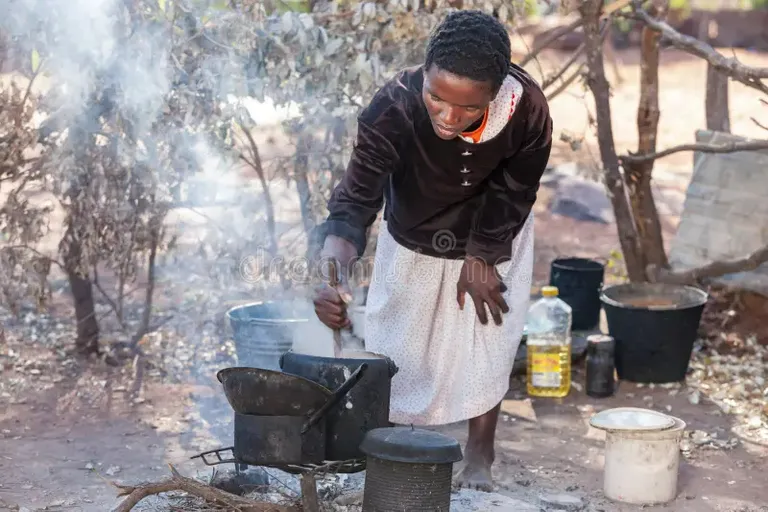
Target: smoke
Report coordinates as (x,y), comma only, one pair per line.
(163,86)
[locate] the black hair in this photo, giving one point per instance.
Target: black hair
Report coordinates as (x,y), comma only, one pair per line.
(471,44)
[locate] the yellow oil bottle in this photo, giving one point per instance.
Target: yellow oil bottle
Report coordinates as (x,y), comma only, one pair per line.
(549,346)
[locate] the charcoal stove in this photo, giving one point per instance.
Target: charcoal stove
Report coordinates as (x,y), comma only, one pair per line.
(308,472)
(408,469)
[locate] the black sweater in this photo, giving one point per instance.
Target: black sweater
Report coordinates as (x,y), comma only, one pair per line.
(398,157)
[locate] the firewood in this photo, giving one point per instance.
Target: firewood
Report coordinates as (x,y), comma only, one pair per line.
(177,482)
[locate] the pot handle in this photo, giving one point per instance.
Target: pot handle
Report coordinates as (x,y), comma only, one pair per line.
(335,398)
(393,369)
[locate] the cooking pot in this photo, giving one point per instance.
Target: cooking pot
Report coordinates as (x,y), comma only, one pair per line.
(264,439)
(365,408)
(258,391)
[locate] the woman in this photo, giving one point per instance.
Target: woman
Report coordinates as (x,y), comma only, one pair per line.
(457,147)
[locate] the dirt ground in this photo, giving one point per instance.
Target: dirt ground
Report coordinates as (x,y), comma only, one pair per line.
(60,449)
(68,428)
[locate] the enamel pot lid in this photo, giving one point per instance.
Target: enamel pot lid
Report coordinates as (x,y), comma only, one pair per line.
(631,419)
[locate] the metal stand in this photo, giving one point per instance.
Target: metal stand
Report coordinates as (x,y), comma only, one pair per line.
(214,458)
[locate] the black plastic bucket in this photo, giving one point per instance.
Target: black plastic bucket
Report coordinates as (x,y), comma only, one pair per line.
(263,331)
(655,326)
(579,281)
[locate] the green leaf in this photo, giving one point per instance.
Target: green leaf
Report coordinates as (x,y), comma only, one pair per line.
(161,5)
(35,61)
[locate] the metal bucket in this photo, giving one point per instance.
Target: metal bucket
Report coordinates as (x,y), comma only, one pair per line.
(263,331)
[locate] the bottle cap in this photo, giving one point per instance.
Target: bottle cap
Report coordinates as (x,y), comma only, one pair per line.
(549,291)
(600,342)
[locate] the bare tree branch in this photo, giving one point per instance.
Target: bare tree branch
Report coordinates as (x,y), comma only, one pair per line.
(764,127)
(112,304)
(727,147)
(711,270)
(554,36)
(760,125)
(581,50)
(177,482)
(567,83)
(567,29)
(625,224)
(549,81)
(749,76)
(144,328)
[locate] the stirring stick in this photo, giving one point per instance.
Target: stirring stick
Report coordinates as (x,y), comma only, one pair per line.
(333,276)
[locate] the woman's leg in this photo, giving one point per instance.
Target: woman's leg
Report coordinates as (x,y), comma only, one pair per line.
(479,453)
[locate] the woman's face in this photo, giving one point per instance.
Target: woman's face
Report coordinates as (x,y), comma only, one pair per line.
(454,103)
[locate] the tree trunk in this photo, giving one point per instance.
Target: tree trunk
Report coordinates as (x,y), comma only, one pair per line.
(716,103)
(300,173)
(614,181)
(85,312)
(639,174)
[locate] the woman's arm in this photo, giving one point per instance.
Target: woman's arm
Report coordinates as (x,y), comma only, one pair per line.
(359,196)
(353,207)
(512,190)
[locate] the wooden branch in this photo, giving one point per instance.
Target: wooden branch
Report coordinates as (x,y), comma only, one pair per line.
(112,304)
(710,271)
(614,181)
(177,482)
(146,315)
(749,76)
(726,147)
(764,102)
(255,162)
(549,81)
(554,36)
(575,24)
(309,500)
(638,175)
(576,74)
(567,83)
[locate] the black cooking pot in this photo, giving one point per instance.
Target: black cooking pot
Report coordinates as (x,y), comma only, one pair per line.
(257,391)
(366,406)
(263,440)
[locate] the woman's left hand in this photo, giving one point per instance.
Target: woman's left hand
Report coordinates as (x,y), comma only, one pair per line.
(484,285)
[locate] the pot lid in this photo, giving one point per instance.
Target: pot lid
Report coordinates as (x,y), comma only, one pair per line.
(631,418)
(411,446)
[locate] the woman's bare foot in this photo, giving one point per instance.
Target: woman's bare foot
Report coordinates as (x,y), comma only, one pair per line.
(475,475)
(475,471)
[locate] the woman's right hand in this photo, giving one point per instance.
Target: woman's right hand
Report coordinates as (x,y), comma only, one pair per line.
(330,306)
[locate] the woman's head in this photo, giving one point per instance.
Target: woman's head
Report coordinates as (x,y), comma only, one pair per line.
(468,58)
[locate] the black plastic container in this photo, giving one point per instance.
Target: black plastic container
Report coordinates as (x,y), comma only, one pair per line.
(579,281)
(654,326)
(263,331)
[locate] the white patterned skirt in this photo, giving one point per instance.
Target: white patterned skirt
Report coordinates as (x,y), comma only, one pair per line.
(452,367)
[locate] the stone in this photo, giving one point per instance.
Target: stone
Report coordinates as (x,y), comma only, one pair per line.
(724,212)
(582,199)
(522,409)
(470,500)
(242,482)
(562,501)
